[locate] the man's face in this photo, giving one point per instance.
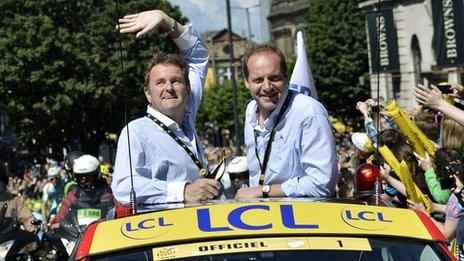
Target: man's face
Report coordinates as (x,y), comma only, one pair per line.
(167,90)
(266,81)
(55,181)
(86,181)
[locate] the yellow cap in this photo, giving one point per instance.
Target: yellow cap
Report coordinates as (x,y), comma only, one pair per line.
(106,169)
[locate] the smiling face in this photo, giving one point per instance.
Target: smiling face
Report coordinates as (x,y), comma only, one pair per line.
(167,90)
(266,81)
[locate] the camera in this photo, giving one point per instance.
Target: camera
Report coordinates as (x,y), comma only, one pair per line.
(445,88)
(447,183)
(375,108)
(454,167)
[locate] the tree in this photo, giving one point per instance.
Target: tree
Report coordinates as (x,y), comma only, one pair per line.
(216,111)
(61,82)
(336,41)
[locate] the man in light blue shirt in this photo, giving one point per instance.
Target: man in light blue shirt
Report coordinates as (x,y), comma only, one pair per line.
(290,145)
(166,155)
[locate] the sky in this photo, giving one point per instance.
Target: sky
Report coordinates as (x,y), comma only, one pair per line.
(209,15)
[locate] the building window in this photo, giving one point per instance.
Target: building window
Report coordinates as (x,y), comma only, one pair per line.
(396,84)
(416,58)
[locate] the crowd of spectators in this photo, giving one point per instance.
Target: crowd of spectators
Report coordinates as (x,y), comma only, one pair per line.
(439,175)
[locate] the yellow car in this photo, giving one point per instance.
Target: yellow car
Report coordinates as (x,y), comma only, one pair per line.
(284,229)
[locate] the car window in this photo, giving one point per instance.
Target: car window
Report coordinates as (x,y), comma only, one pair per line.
(381,249)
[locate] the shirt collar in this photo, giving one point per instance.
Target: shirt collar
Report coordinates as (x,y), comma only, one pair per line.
(161,117)
(269,122)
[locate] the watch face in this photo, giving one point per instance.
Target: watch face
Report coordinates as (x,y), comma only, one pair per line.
(266,188)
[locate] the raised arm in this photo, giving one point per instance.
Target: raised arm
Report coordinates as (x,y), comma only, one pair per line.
(433,99)
(192,48)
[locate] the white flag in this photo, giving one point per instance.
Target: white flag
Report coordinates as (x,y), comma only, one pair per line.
(302,78)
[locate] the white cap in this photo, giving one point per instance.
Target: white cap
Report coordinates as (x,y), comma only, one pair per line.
(362,141)
(86,164)
(53,172)
(237,165)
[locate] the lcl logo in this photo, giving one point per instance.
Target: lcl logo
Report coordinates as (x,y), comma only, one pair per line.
(235,219)
(144,229)
(366,220)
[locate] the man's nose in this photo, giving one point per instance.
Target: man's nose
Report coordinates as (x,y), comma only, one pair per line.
(168,86)
(267,85)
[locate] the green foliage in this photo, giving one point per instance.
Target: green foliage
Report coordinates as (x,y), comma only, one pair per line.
(291,61)
(60,73)
(216,110)
(336,41)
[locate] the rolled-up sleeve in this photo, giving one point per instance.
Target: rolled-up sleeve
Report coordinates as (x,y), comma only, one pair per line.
(195,53)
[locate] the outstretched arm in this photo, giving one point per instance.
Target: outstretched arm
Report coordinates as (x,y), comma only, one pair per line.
(433,98)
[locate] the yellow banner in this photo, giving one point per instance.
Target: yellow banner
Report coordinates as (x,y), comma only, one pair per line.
(416,194)
(408,182)
(402,170)
(260,244)
(416,138)
(394,111)
(391,160)
(240,219)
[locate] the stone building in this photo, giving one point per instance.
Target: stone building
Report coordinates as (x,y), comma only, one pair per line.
(286,18)
(416,45)
(218,47)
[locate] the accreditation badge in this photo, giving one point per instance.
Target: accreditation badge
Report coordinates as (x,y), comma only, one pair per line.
(203,172)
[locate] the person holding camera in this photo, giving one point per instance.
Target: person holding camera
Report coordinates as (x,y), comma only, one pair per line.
(455,206)
(439,188)
(369,109)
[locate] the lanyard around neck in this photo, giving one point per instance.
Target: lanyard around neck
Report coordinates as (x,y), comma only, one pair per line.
(203,170)
(267,152)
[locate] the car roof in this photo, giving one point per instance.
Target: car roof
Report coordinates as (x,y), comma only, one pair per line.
(240,219)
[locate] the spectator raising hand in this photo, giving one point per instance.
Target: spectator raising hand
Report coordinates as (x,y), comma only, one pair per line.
(430,97)
(424,162)
(433,98)
(458,91)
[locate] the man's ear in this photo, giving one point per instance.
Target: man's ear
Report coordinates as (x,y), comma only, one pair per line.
(147,92)
(287,78)
(247,84)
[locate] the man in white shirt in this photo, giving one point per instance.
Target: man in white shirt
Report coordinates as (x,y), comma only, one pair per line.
(166,155)
(290,145)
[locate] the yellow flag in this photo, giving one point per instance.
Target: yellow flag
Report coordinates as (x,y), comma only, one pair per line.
(402,170)
(391,160)
(416,138)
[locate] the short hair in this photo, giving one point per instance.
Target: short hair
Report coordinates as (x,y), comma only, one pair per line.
(391,137)
(425,121)
(259,49)
(166,59)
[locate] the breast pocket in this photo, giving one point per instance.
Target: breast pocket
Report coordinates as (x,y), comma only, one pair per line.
(281,158)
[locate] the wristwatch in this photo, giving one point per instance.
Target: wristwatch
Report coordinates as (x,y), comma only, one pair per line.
(266,189)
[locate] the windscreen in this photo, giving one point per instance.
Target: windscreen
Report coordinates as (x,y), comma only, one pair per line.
(300,248)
